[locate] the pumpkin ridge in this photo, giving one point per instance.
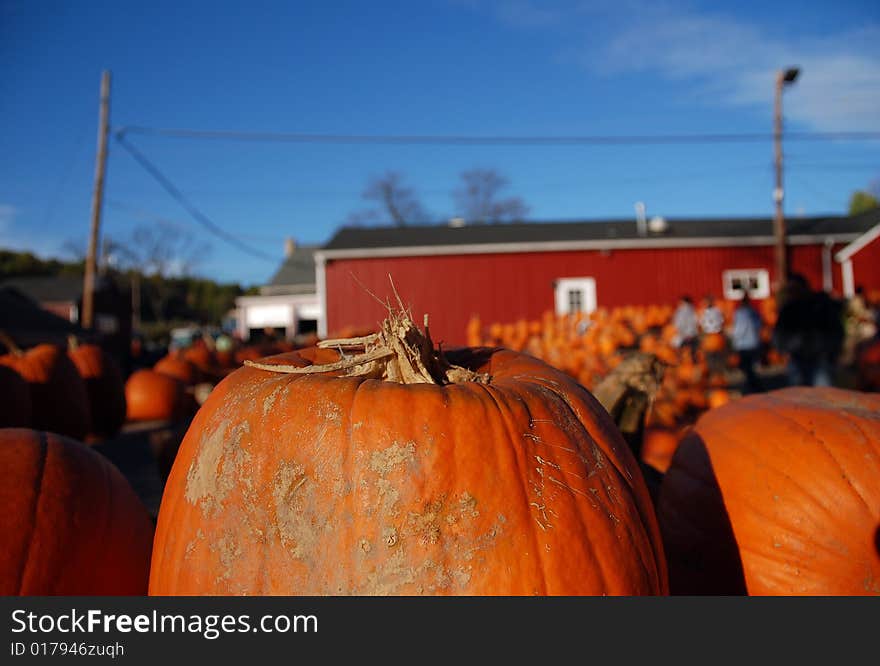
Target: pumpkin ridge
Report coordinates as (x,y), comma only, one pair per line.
(610,455)
(754,453)
(844,473)
(44,454)
(505,413)
(781,413)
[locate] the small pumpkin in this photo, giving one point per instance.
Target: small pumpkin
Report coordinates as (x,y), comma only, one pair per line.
(713,342)
(393,471)
(105,387)
(70,523)
(200,356)
(777,494)
(658,447)
(59,398)
(178,367)
(152,396)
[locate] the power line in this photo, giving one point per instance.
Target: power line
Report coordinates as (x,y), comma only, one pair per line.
(414,139)
(178,196)
(64,180)
(145,215)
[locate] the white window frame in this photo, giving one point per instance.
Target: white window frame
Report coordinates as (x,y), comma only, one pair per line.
(761,275)
(587,287)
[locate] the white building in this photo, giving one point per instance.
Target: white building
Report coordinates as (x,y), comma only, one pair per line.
(289,304)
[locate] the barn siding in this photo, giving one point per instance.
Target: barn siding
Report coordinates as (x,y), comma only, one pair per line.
(866,266)
(508,286)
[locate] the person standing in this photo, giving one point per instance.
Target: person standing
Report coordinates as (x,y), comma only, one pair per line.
(685,322)
(860,324)
(712,319)
(714,343)
(810,330)
(745,339)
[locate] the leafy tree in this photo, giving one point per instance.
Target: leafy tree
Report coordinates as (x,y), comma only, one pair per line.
(862,201)
(20,264)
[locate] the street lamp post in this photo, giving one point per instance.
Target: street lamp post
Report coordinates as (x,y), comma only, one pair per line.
(783,78)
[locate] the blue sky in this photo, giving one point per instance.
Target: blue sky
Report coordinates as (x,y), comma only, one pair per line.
(432,67)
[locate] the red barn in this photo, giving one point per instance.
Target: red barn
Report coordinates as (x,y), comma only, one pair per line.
(860,262)
(505,272)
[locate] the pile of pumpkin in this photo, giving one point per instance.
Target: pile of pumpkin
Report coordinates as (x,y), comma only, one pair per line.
(174,387)
(380,465)
(589,346)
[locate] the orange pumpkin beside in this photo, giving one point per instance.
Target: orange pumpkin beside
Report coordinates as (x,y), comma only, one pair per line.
(71,524)
(777,494)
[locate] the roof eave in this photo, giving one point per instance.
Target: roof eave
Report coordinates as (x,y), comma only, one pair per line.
(568,246)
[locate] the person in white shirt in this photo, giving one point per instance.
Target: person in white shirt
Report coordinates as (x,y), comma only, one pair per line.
(712,319)
(686,325)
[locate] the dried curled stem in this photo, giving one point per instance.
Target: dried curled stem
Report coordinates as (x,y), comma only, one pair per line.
(399,352)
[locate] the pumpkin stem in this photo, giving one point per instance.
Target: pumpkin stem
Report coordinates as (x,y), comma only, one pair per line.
(627,394)
(9,343)
(398,352)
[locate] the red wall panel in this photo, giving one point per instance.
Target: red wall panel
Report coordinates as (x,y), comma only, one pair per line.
(866,266)
(506,287)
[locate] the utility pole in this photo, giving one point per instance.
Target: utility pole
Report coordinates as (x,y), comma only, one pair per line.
(781,255)
(88,298)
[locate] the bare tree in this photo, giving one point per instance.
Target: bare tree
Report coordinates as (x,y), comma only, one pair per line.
(156,251)
(477,200)
(398,203)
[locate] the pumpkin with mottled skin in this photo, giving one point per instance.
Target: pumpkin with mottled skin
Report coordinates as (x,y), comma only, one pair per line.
(70,523)
(322,484)
(59,398)
(777,494)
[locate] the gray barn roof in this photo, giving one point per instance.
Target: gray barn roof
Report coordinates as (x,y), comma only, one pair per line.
(349,238)
(296,275)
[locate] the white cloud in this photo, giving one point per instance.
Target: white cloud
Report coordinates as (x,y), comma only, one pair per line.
(734,63)
(716,58)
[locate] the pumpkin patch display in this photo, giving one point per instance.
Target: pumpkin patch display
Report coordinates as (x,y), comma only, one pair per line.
(70,523)
(777,494)
(380,466)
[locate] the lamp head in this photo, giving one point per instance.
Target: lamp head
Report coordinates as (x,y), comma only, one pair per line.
(790,74)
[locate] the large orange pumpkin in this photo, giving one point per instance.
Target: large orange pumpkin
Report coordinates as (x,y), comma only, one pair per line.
(59,399)
(70,523)
(151,396)
(105,387)
(777,494)
(504,478)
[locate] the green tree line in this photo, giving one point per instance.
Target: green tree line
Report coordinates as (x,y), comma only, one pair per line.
(162,298)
